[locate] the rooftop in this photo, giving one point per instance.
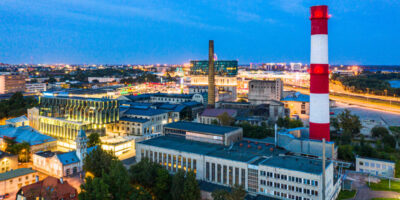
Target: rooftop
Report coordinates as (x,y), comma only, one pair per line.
(53,186)
(24,134)
(297,97)
(15,173)
(5,154)
(302,164)
(145,112)
(22,118)
(257,152)
(134,119)
(214,112)
(376,159)
(201,128)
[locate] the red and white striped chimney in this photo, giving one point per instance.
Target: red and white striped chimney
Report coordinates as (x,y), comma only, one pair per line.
(319,74)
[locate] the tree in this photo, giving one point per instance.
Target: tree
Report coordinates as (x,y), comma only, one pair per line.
(177,186)
(118,181)
(241,100)
(191,189)
(93,189)
(237,193)
(94,140)
(98,162)
(51,80)
(95,81)
(346,153)
(289,123)
(379,132)
(214,122)
(162,184)
(144,173)
(219,194)
(348,122)
(254,131)
(225,119)
(139,193)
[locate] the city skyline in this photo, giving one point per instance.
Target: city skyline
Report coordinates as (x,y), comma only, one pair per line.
(174,32)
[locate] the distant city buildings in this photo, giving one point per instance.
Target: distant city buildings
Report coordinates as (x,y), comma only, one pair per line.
(11,83)
(35,87)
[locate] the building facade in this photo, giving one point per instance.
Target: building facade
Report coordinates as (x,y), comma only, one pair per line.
(12,181)
(377,167)
(8,162)
(11,83)
(262,91)
(64,117)
(258,166)
(35,87)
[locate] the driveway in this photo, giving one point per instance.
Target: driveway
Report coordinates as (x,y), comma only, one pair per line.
(360,183)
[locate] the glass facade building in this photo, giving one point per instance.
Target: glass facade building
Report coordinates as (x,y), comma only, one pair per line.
(63,117)
(222,67)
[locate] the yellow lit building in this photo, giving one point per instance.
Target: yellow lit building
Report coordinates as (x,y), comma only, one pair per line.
(8,162)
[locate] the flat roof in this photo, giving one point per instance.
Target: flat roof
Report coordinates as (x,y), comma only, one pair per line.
(237,152)
(145,112)
(201,128)
(376,159)
(296,163)
(15,173)
(134,119)
(181,144)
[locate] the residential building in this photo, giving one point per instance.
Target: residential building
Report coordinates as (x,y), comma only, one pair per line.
(298,104)
(64,117)
(13,180)
(377,167)
(263,91)
(63,164)
(18,121)
(256,164)
(210,115)
(50,186)
(11,83)
(8,162)
(35,87)
(36,140)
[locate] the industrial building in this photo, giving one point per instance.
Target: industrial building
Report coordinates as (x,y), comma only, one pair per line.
(262,91)
(260,166)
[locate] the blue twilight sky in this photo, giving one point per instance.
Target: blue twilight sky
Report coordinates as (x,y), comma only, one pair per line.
(175,31)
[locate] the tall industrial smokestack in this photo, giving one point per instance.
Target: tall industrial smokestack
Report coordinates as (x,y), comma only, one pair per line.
(211,75)
(319,74)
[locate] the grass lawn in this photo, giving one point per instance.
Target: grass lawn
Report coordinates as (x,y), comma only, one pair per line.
(384,199)
(346,194)
(383,185)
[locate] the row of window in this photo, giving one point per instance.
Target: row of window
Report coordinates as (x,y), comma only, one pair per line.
(289,187)
(289,178)
(289,196)
(375,165)
(171,162)
(224,174)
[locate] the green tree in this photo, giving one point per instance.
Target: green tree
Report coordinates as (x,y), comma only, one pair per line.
(51,80)
(178,181)
(294,123)
(237,193)
(94,189)
(379,132)
(219,194)
(118,181)
(94,140)
(214,122)
(98,162)
(162,184)
(139,193)
(254,131)
(225,119)
(345,152)
(348,122)
(191,189)
(144,173)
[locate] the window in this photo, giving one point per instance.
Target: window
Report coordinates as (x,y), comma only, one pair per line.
(224,174)
(219,173)
(378,165)
(270,174)
(366,164)
(207,171)
(262,173)
(236,175)
(361,163)
(213,172)
(243,181)
(230,172)
(372,164)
